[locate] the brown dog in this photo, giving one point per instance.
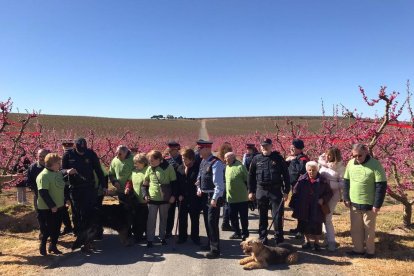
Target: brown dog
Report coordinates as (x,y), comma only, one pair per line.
(261,256)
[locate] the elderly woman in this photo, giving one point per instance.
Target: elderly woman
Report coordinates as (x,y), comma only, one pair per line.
(332,168)
(237,195)
(159,191)
(50,202)
(310,195)
(121,169)
(140,216)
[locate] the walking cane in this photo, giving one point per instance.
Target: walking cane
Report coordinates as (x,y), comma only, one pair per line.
(176,227)
(277,213)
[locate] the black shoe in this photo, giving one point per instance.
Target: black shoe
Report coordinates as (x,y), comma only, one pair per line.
(226,227)
(67,230)
(53,249)
(181,241)
(355,254)
(205,247)
(293,231)
(168,235)
(42,249)
(307,245)
(279,239)
(369,256)
(235,236)
(196,241)
(150,244)
(316,247)
(98,237)
(163,242)
(299,236)
(213,255)
(244,237)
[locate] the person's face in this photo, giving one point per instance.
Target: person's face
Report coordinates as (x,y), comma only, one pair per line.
(41,157)
(173,152)
(228,159)
(187,161)
(139,166)
(154,162)
(204,152)
(312,172)
(359,155)
(294,151)
(55,167)
(330,157)
(249,151)
(266,149)
(122,155)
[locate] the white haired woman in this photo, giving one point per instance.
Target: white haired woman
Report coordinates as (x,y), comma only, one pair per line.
(310,195)
(332,168)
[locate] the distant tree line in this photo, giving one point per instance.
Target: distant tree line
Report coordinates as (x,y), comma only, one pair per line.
(169,117)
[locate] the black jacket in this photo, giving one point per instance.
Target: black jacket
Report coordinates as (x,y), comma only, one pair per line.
(186,182)
(269,173)
(32,172)
(86,165)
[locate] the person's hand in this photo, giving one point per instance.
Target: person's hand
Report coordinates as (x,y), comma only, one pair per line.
(72,171)
(199,193)
(67,203)
(290,158)
(117,185)
(252,197)
(285,197)
(146,198)
(347,204)
(375,210)
(180,198)
(54,209)
(213,203)
(127,191)
(320,201)
(172,199)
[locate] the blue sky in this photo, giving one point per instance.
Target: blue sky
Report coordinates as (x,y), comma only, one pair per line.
(195,58)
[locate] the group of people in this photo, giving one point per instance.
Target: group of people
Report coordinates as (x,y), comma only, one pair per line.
(197,181)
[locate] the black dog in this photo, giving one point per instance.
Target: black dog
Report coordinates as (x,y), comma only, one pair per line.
(118,217)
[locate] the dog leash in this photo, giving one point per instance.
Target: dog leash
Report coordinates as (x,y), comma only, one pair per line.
(277,213)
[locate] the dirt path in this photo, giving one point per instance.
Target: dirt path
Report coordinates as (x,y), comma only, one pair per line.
(203,134)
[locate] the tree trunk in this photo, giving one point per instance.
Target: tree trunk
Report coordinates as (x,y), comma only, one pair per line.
(408,211)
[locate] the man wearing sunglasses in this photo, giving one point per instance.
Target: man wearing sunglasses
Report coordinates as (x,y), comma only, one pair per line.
(364,193)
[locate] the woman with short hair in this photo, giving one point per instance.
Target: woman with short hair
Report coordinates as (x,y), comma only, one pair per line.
(310,196)
(50,202)
(159,191)
(140,216)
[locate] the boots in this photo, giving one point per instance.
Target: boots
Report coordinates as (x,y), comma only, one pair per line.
(53,249)
(42,248)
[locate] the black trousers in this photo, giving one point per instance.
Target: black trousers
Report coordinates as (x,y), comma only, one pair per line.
(189,207)
(66,218)
(83,202)
(139,221)
(171,218)
(277,215)
(226,213)
(211,220)
(50,225)
(239,209)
